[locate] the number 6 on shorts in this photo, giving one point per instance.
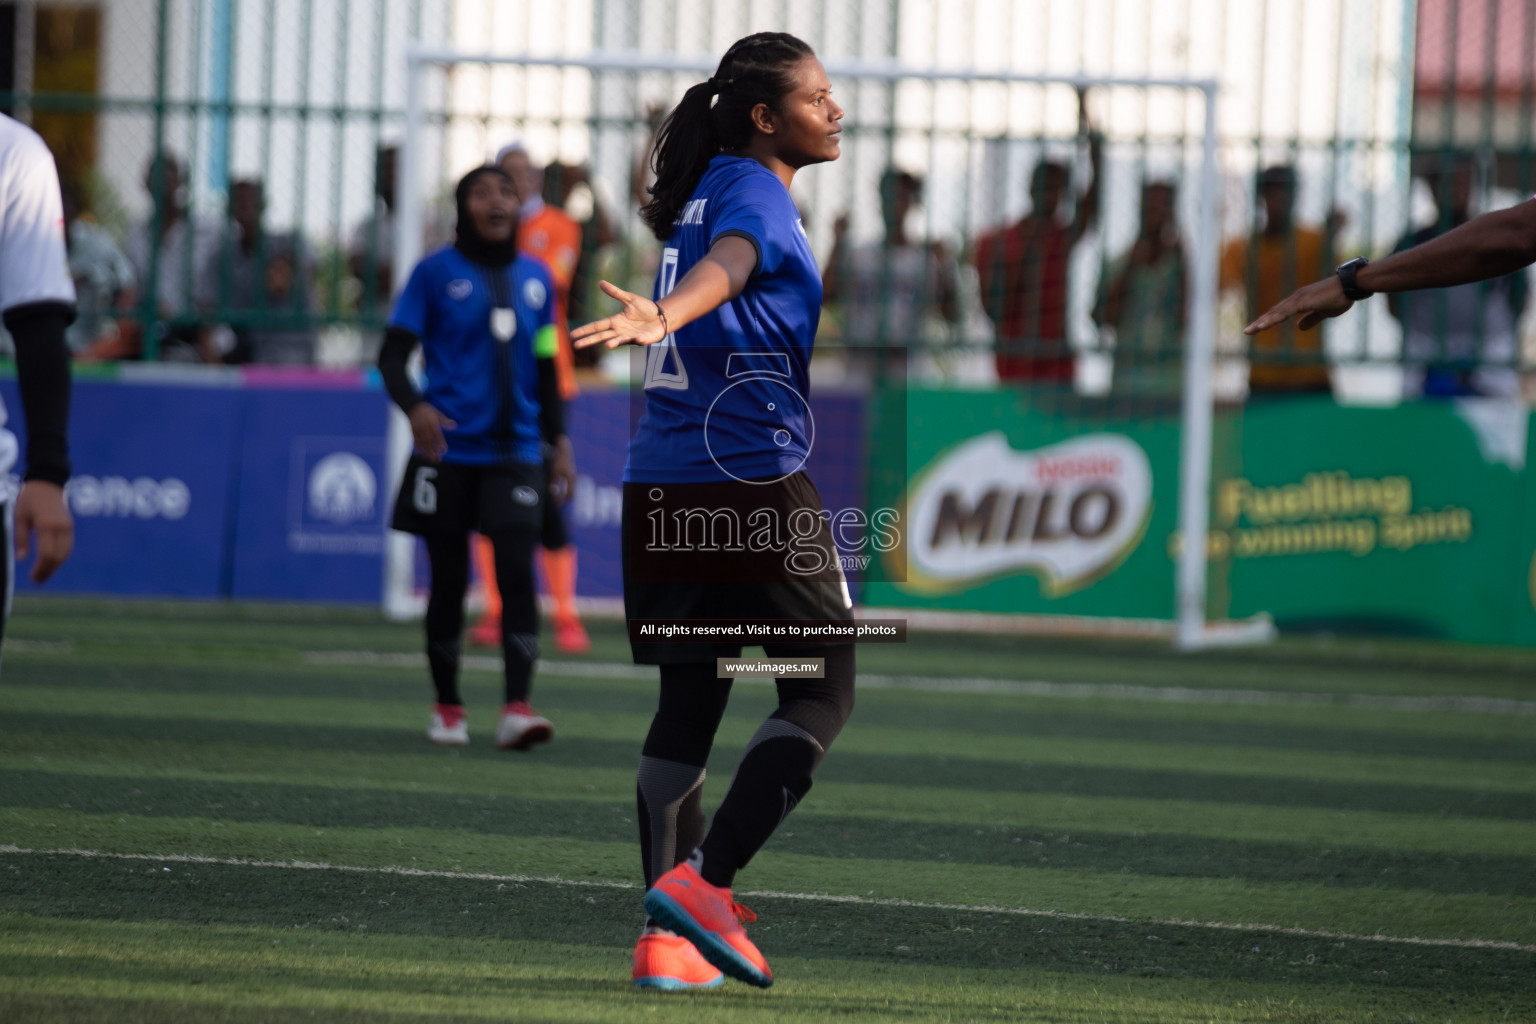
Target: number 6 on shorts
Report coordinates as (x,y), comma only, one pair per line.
(424,492)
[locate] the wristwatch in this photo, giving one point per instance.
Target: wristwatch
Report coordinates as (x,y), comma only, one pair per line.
(1347,272)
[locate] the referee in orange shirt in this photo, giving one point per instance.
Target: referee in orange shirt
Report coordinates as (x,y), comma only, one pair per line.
(549,234)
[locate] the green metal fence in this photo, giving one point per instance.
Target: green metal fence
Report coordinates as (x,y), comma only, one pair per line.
(989,230)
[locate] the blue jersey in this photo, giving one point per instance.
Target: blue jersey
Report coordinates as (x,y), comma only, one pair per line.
(725,396)
(489,387)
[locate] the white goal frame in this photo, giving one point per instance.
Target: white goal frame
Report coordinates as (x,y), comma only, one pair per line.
(1191,630)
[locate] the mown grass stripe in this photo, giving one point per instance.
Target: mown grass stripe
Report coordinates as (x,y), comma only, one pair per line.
(1393,667)
(188,858)
(1337,727)
(447,773)
(1148,772)
(383,724)
(614,857)
(977,842)
(1011,687)
(522,980)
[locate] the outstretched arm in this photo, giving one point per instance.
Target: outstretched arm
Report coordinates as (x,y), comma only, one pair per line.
(1492,245)
(715,280)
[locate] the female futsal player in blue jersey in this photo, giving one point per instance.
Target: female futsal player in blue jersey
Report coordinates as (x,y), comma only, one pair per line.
(484,317)
(724,435)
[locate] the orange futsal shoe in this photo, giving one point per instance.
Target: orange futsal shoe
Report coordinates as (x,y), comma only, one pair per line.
(707,917)
(670,963)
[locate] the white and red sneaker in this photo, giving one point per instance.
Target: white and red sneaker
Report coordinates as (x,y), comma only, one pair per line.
(449,726)
(522,727)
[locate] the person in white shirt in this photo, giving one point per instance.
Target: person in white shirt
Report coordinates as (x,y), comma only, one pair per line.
(37,300)
(104,279)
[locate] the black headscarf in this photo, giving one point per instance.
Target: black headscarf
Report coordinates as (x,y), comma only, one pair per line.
(466,239)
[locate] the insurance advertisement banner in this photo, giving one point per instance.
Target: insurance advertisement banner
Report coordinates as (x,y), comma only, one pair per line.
(151,488)
(310,511)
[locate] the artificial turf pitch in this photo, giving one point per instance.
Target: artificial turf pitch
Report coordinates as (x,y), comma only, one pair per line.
(216,813)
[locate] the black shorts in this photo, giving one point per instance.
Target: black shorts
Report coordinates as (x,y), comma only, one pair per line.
(454,498)
(729,550)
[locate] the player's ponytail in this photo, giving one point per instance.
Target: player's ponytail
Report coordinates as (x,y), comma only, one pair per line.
(757,69)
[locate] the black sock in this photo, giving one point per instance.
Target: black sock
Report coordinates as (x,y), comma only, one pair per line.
(669,785)
(448,556)
(774,776)
(519,610)
(775,771)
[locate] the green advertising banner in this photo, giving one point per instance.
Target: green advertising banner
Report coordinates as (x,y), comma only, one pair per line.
(1399,520)
(1418,519)
(1525,559)
(1013,509)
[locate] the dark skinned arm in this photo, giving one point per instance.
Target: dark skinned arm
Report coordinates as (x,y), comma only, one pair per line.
(1492,245)
(715,280)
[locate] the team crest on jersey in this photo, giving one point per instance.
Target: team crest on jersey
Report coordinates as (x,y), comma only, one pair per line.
(534,293)
(460,289)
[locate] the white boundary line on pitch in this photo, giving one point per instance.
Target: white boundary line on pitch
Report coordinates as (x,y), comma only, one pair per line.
(1019,687)
(806,897)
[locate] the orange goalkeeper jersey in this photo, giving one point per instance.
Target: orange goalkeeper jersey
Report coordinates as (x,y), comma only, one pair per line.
(550,235)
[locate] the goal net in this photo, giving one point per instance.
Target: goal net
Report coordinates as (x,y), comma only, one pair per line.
(1017,361)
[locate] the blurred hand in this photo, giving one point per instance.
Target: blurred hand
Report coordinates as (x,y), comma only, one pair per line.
(1314,304)
(41,510)
(638,323)
(427,426)
(562,472)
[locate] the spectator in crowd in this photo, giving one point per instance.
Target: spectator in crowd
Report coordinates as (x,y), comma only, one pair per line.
(1459,340)
(371,258)
(263,276)
(171,251)
(1142,297)
(104,280)
(551,236)
(892,288)
(1023,270)
(1269,266)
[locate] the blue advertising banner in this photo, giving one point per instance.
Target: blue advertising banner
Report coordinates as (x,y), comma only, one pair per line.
(310,515)
(151,488)
(597,423)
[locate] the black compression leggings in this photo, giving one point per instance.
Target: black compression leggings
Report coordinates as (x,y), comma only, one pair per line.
(448,555)
(774,774)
